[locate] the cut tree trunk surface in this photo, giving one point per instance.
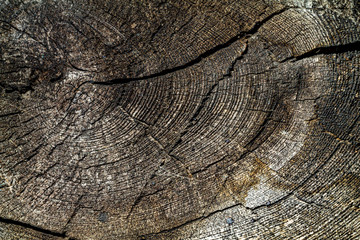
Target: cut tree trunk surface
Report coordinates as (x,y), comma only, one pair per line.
(179,119)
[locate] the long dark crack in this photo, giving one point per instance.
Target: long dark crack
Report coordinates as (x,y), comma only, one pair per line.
(349,47)
(32,227)
(198,59)
(337,49)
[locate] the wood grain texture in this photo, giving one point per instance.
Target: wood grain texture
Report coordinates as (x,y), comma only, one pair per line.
(179,119)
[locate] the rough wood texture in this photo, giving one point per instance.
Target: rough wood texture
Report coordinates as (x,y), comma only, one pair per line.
(179,119)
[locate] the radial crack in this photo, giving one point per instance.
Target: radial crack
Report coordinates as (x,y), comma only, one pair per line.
(76,209)
(194,220)
(206,98)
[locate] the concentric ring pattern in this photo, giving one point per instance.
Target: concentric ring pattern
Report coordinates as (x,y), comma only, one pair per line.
(179,120)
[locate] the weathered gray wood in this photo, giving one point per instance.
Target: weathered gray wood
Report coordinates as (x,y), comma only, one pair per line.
(179,119)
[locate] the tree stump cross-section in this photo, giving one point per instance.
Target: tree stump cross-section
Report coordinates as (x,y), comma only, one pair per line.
(179,119)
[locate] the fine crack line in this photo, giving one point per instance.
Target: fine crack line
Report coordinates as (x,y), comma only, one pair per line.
(10,114)
(292,192)
(147,133)
(202,56)
(75,211)
(193,220)
(309,202)
(206,98)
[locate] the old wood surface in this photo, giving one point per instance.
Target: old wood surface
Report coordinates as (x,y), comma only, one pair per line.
(179,119)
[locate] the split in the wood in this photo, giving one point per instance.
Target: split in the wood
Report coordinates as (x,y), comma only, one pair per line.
(202,56)
(32,227)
